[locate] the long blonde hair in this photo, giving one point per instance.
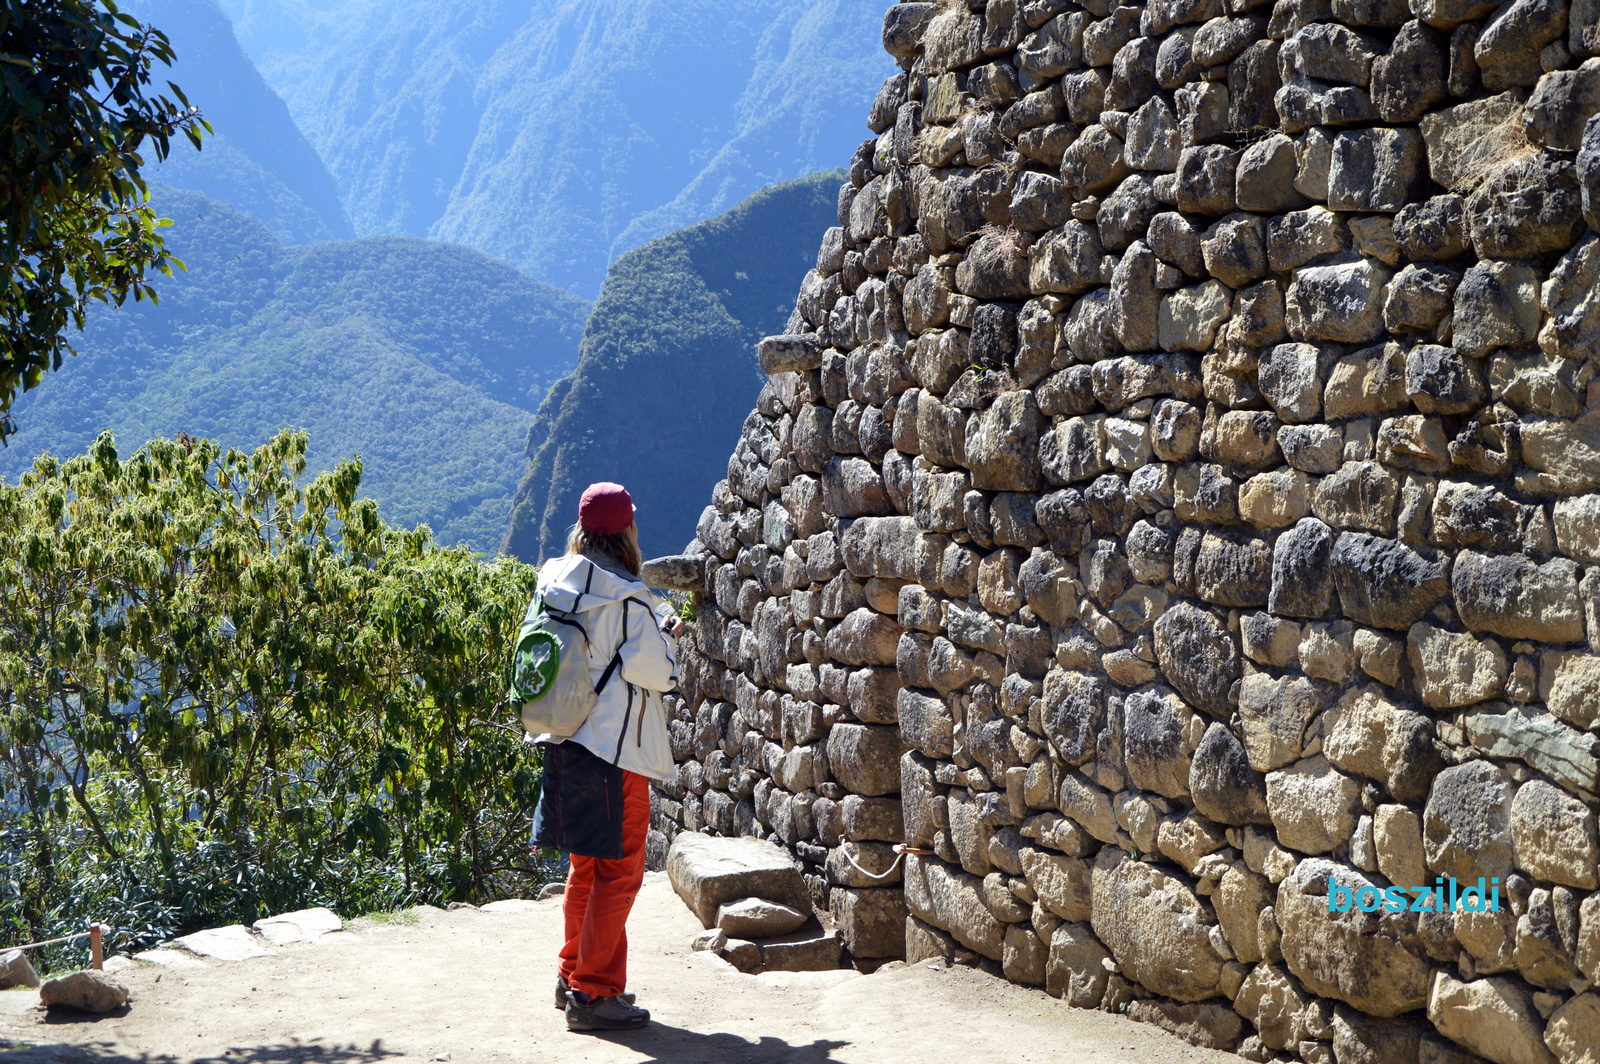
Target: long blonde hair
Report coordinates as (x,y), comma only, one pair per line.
(622,547)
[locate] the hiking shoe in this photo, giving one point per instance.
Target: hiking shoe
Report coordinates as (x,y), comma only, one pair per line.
(603,1014)
(562,988)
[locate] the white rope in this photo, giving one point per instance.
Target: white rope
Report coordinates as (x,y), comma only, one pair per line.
(844,848)
(51,941)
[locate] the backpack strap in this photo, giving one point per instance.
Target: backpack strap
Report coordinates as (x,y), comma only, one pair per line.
(616,659)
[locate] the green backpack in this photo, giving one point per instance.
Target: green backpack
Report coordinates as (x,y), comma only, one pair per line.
(550,669)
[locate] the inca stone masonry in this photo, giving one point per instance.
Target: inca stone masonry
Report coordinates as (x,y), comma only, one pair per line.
(1180,485)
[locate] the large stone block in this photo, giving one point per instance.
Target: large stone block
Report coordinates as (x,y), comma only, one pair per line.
(1155,926)
(1371,960)
(707,872)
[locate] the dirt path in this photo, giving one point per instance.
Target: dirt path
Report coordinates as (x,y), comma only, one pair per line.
(470,986)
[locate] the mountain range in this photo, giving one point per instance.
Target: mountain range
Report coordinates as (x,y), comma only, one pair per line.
(667,371)
(557,134)
(425,359)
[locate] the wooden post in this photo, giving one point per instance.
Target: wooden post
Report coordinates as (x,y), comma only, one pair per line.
(96,951)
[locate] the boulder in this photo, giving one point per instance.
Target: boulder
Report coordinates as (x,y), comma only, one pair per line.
(16,970)
(1573,1033)
(1553,835)
(708,872)
(1568,756)
(1223,786)
(1198,656)
(1314,807)
(86,991)
(1512,596)
(1369,735)
(953,901)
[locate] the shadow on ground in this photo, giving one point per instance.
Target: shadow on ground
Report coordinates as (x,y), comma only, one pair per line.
(283,1053)
(675,1045)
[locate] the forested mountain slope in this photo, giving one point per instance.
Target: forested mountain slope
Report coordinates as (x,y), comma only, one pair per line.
(668,371)
(258,160)
(556,135)
(425,359)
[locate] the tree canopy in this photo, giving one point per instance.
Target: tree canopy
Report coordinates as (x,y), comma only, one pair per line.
(76,116)
(226,693)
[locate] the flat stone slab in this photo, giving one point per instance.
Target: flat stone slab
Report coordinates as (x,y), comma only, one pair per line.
(807,950)
(511,905)
(300,926)
(231,943)
(168,958)
(707,871)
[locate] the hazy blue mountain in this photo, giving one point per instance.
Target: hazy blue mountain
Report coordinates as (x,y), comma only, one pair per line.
(258,161)
(425,359)
(667,371)
(557,134)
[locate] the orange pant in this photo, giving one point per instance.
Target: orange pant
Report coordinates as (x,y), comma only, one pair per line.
(599,896)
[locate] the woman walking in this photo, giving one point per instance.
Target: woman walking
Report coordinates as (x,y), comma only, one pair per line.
(595,804)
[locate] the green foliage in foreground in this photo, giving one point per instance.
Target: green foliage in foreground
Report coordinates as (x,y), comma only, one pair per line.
(226,693)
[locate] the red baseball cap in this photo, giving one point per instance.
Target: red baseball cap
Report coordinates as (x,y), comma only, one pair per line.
(605,508)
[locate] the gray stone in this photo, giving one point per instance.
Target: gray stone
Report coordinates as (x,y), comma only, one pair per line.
(708,872)
(1342,302)
(16,970)
(1155,724)
(1466,141)
(1265,178)
(865,758)
(1568,756)
(1223,786)
(953,901)
(1374,169)
(1434,229)
(1508,49)
(755,918)
(872,922)
(1290,379)
(1274,713)
(1529,206)
(1466,826)
(1496,304)
(1198,657)
(1383,583)
(1513,597)
(1412,77)
(1066,260)
(1207,177)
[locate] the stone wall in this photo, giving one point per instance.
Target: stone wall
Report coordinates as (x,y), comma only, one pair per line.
(1177,493)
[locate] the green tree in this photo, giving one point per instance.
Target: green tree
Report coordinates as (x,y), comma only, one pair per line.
(226,693)
(75,222)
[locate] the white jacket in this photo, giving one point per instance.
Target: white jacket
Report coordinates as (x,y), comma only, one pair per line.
(628,726)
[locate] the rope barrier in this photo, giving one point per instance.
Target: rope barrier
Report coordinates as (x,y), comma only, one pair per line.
(900,851)
(95,936)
